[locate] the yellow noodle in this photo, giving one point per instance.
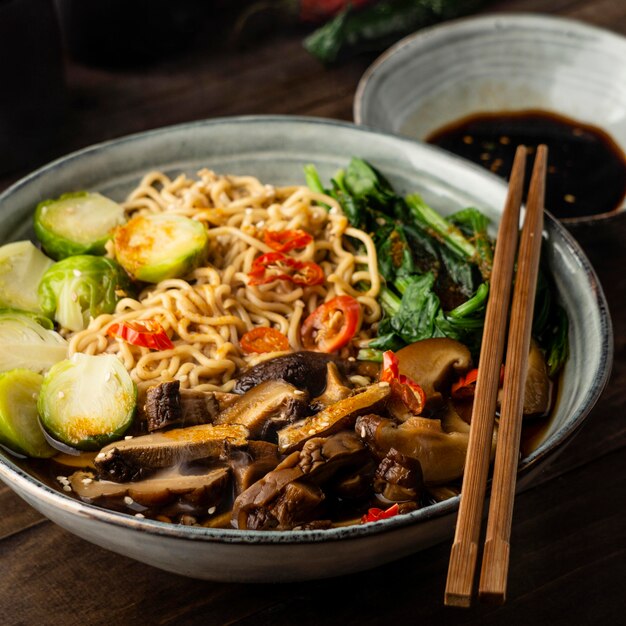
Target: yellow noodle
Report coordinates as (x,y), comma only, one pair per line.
(207,312)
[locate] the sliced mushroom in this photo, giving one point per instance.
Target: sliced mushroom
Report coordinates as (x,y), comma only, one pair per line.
(132,458)
(538,389)
(321,458)
(251,464)
(334,418)
(337,388)
(399,477)
(291,495)
(304,370)
(439,445)
(434,364)
(167,405)
(206,489)
(271,404)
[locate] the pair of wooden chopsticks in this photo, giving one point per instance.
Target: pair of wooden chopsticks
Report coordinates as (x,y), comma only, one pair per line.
(464,553)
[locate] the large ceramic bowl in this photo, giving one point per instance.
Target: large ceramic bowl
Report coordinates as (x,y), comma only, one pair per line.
(495,64)
(275,149)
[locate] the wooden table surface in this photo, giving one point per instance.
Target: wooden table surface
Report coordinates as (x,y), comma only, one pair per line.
(568,561)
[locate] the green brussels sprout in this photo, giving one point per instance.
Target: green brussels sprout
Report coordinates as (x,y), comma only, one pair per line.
(19,422)
(76,223)
(152,248)
(26,343)
(80,287)
(21,267)
(87,401)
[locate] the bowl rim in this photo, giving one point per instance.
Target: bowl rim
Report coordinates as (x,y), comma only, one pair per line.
(436,35)
(10,473)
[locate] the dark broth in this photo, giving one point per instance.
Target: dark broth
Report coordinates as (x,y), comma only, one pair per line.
(586,168)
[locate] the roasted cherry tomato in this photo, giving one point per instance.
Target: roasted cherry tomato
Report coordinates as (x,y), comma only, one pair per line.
(286,240)
(402,386)
(278,266)
(264,339)
(331,325)
(145,333)
(374,514)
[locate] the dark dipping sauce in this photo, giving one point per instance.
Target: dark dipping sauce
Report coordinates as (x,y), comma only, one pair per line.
(586,168)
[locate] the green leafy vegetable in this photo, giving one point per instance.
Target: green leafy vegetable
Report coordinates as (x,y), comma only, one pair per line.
(87,401)
(21,267)
(436,269)
(80,287)
(19,424)
(76,223)
(377,26)
(26,344)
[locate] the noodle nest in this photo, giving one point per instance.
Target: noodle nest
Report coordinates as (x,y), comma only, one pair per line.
(206,313)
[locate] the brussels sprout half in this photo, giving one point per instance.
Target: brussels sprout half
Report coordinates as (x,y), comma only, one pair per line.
(87,401)
(26,343)
(152,248)
(21,267)
(76,223)
(19,424)
(80,287)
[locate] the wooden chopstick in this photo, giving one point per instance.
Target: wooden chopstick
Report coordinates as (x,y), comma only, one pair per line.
(464,551)
(495,565)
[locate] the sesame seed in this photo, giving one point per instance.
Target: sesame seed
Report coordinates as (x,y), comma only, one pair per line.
(60,395)
(383,383)
(248,211)
(107,378)
(140,516)
(212,510)
(77,273)
(363,432)
(261,223)
(312,431)
(128,437)
(61,478)
(74,296)
(67,488)
(86,481)
(128,500)
(100,455)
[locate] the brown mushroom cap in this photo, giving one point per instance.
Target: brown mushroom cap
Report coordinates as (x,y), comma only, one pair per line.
(434,364)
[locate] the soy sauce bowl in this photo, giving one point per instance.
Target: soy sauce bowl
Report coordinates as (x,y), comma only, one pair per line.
(498,64)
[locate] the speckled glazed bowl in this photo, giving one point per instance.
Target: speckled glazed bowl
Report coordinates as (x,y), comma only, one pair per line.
(494,64)
(275,149)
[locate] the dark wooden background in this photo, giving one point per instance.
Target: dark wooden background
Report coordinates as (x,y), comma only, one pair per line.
(568,562)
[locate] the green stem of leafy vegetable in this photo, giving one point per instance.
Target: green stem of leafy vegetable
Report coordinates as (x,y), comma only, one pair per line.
(450,234)
(370,354)
(389,301)
(475,304)
(313,179)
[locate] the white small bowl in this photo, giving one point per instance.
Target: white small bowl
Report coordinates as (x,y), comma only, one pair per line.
(495,64)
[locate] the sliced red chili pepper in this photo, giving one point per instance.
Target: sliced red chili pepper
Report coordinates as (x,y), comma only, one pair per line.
(403,387)
(465,387)
(286,240)
(278,266)
(374,514)
(264,339)
(332,324)
(390,366)
(145,333)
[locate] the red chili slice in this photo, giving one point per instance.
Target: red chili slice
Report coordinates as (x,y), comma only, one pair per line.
(278,266)
(264,339)
(374,514)
(145,333)
(286,240)
(403,387)
(331,325)
(465,387)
